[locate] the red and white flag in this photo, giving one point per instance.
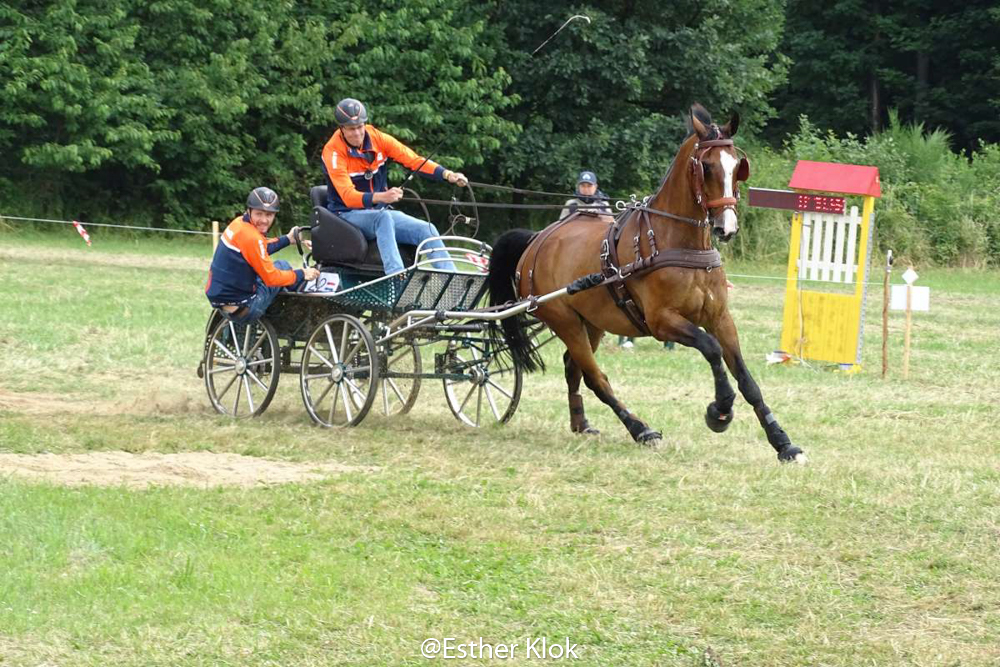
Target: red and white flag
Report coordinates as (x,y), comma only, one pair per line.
(83,232)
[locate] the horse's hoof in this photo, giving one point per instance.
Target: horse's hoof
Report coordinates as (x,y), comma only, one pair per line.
(649,437)
(717,421)
(792,454)
(589,430)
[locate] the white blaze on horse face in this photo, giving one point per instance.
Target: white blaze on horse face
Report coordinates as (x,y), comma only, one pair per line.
(729,164)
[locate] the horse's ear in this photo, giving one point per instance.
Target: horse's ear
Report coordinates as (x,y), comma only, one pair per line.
(734,124)
(695,124)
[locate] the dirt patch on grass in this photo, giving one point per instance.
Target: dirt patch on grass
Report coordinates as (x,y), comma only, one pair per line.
(200,469)
(37,403)
(153,401)
(99,258)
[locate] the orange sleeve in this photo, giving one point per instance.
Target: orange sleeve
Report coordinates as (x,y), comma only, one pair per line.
(336,167)
(404,155)
(254,251)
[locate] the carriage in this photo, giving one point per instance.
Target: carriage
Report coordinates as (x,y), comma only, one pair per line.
(373,342)
(366,339)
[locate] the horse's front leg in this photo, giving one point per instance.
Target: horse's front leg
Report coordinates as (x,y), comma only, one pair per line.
(670,326)
(725,331)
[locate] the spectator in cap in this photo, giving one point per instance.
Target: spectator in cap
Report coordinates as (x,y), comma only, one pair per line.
(589,200)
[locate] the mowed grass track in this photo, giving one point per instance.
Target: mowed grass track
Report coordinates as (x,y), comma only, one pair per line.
(881,551)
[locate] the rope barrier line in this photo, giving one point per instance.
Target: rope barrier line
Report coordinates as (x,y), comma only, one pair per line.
(785,278)
(188,231)
(103,224)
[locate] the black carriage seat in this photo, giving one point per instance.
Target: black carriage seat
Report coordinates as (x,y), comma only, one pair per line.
(336,242)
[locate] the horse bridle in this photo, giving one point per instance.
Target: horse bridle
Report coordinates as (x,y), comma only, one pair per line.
(697,168)
(701,148)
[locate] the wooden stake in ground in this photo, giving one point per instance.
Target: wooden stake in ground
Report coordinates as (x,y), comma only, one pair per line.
(909,297)
(885,314)
(906,335)
(215,235)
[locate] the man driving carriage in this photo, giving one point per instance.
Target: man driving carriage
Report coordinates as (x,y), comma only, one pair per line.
(356,163)
(243,281)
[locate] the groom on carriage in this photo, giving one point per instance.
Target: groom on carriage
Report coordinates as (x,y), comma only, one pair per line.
(242,280)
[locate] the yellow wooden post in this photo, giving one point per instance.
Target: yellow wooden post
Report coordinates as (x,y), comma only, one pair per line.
(215,235)
(791,340)
(866,221)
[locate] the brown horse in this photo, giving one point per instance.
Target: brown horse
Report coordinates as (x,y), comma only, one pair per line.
(676,286)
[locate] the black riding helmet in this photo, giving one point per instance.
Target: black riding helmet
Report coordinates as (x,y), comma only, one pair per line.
(350,112)
(263,199)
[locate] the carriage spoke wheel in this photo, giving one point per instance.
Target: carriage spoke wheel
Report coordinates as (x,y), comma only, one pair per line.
(490,390)
(398,376)
(242,367)
(339,374)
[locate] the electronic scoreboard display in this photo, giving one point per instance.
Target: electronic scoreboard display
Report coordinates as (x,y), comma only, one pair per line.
(796,201)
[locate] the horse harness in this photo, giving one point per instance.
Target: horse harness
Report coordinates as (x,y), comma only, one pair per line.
(541,237)
(613,275)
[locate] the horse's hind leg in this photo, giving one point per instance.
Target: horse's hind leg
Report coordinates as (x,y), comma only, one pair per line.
(581,341)
(577,418)
(725,331)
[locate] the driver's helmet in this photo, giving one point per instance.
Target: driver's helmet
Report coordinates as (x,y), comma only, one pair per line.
(263,199)
(350,112)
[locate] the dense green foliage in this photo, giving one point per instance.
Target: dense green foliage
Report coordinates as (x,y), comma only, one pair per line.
(167,112)
(174,109)
(853,62)
(610,96)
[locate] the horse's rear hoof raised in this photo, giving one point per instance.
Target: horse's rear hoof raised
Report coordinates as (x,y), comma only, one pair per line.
(792,454)
(717,421)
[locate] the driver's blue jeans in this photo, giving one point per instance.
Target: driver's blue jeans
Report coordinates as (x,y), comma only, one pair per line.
(263,297)
(389,227)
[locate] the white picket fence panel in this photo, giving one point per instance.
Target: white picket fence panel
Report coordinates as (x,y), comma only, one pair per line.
(828,251)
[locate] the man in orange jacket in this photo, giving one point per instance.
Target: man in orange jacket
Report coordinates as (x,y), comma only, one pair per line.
(356,162)
(243,280)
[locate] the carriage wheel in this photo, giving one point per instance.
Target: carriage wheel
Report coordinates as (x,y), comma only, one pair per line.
(490,389)
(241,367)
(399,393)
(339,375)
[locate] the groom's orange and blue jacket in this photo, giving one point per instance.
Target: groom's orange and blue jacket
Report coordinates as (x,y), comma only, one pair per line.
(242,255)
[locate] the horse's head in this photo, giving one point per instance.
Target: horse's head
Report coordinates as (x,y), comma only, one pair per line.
(717,167)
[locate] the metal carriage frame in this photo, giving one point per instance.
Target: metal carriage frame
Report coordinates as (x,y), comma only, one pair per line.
(364,345)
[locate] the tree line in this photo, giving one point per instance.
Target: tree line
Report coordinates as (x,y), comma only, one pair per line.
(167,112)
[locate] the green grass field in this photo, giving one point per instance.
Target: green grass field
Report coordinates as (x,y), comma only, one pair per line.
(706,551)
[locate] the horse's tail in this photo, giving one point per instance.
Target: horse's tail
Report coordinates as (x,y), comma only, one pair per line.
(511,334)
